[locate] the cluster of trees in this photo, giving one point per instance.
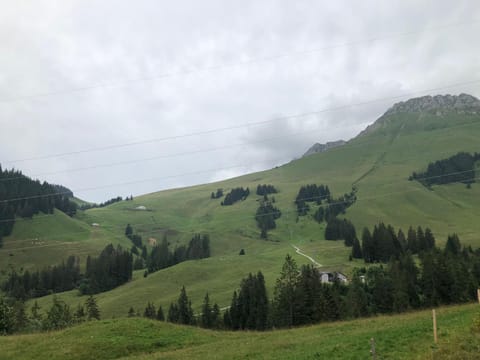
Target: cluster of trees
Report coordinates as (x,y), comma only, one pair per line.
(249,308)
(384,243)
(14,317)
(21,196)
(441,277)
(53,279)
(310,193)
(337,229)
(266,190)
(457,168)
(161,257)
(319,195)
(111,269)
(299,298)
(266,215)
(235,195)
(106,203)
(216,195)
(181,312)
(134,238)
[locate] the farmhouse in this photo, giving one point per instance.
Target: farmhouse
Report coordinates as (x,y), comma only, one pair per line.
(330,277)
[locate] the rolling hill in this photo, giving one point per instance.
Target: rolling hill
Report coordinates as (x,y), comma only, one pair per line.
(377,163)
(406,336)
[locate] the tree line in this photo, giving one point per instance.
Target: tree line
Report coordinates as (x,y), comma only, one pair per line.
(266,189)
(112,268)
(14,317)
(162,257)
(105,203)
(384,243)
(20,196)
(236,194)
(457,168)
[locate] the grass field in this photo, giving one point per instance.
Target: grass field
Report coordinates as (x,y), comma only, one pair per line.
(378,164)
(406,336)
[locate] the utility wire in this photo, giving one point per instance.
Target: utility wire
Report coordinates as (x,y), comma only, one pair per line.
(244,125)
(196,229)
(254,60)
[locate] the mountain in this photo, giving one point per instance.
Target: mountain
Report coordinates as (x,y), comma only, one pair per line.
(319,148)
(377,163)
(439,106)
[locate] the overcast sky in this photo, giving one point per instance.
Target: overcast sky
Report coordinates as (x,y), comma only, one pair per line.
(80,75)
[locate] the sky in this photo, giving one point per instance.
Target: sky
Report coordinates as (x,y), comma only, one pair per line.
(118,98)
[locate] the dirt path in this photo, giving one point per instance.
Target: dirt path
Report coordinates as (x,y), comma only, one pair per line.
(299,252)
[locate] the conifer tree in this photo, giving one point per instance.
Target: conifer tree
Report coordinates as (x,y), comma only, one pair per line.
(150,311)
(160,315)
(93,311)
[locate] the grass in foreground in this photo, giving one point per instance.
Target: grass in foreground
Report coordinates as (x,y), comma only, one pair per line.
(406,336)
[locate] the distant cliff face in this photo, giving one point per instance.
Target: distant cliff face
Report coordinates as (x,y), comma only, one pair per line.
(463,103)
(318,148)
(437,105)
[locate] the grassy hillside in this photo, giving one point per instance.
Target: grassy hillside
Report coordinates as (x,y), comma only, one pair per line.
(407,336)
(378,163)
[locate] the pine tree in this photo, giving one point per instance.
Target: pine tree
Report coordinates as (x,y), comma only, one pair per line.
(206,320)
(356,249)
(357,302)
(7,317)
(185,312)
(131,312)
(160,315)
(79,315)
(93,311)
(150,311)
(173,314)
(285,292)
(128,231)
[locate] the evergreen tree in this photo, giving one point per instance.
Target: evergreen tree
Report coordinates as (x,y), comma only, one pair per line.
(128,231)
(356,249)
(131,312)
(160,315)
(285,295)
(185,312)
(93,311)
(357,302)
(453,245)
(79,314)
(150,311)
(173,314)
(368,247)
(7,318)
(58,316)
(206,319)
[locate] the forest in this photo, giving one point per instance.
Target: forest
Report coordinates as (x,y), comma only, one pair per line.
(457,168)
(20,196)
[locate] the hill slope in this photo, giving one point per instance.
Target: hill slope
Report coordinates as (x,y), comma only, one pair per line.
(407,336)
(378,163)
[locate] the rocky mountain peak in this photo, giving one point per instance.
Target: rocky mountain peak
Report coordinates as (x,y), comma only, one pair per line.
(318,148)
(438,104)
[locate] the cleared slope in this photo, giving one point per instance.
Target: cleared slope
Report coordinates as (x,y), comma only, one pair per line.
(407,336)
(378,163)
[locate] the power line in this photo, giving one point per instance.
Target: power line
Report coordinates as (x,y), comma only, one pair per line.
(245,125)
(254,60)
(195,229)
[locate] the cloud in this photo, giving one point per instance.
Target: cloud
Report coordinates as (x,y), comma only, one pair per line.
(146,73)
